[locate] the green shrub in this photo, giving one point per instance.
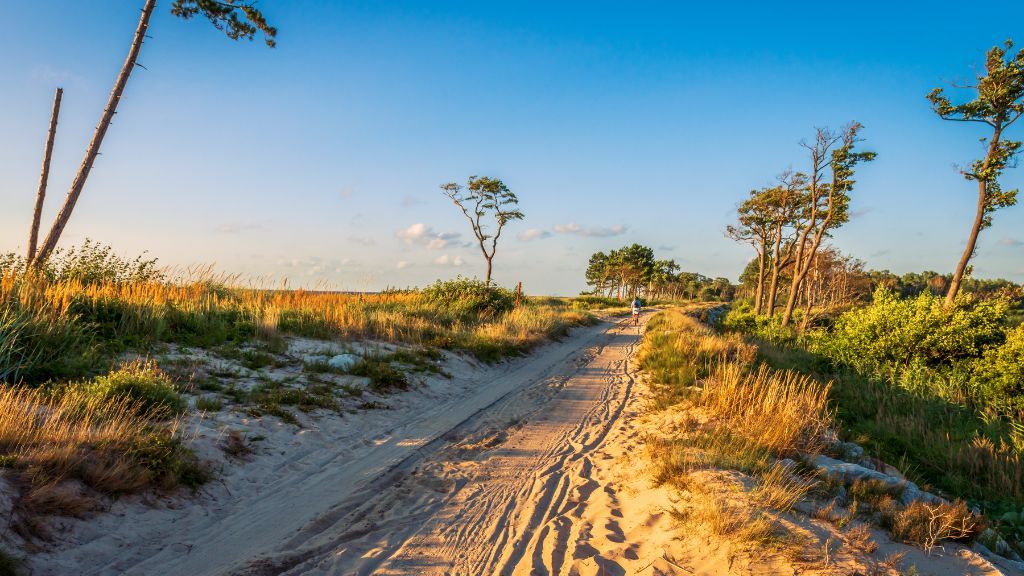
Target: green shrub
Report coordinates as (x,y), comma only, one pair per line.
(383,376)
(999,374)
(90,263)
(920,330)
(38,342)
(144,383)
(470,298)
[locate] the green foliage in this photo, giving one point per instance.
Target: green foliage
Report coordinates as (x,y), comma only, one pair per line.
(144,383)
(470,297)
(90,263)
(916,331)
(224,15)
(999,103)
(485,197)
(383,376)
(999,374)
(169,461)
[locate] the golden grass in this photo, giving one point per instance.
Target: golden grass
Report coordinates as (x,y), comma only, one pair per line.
(782,411)
(65,449)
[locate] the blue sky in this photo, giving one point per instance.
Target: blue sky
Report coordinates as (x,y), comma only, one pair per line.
(319,161)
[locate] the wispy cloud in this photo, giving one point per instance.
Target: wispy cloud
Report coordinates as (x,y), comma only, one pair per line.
(314,265)
(362,240)
(347,192)
(445,260)
(597,231)
(1007,241)
(403,264)
(410,200)
(533,234)
(425,236)
(46,74)
(860,212)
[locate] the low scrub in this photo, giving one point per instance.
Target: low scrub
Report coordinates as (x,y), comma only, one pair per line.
(150,391)
(74,317)
(471,298)
(108,444)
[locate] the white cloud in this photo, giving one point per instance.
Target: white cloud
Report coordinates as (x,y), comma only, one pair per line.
(597,231)
(425,236)
(445,260)
(533,234)
(363,240)
(402,264)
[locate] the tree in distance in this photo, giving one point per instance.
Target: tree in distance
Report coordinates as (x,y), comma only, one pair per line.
(485,197)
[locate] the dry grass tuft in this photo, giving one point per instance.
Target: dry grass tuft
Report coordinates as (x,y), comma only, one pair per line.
(928,525)
(782,411)
(65,449)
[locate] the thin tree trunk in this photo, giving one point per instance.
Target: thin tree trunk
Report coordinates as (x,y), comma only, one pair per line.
(44,177)
(979,218)
(97,138)
(488,281)
(760,282)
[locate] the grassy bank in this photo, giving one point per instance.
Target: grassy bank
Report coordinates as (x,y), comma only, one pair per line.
(743,417)
(78,423)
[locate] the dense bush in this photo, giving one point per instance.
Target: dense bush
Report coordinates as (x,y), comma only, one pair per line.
(144,384)
(91,263)
(470,297)
(999,375)
(917,330)
(38,340)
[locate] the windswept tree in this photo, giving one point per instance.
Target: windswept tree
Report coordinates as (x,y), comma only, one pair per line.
(238,19)
(999,103)
(755,228)
(784,204)
(825,204)
(484,198)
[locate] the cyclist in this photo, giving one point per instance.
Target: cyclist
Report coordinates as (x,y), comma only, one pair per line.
(635,306)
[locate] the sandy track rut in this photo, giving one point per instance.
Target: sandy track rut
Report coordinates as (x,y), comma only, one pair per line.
(506,492)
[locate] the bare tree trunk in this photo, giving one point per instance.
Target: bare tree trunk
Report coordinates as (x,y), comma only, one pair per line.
(44,177)
(488,281)
(97,138)
(759,295)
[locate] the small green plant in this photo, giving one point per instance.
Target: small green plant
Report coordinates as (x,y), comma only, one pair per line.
(209,403)
(383,377)
(142,382)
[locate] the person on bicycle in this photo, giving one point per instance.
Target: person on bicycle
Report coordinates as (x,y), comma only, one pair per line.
(635,306)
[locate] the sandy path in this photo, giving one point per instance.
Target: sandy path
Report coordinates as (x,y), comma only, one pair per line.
(400,469)
(531,485)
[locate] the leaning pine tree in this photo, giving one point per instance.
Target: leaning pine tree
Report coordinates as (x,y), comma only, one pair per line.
(238,19)
(999,103)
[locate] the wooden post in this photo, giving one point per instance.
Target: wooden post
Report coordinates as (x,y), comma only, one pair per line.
(44,176)
(97,138)
(519,293)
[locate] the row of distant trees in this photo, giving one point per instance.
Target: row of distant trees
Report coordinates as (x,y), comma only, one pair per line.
(635,271)
(788,223)
(837,281)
